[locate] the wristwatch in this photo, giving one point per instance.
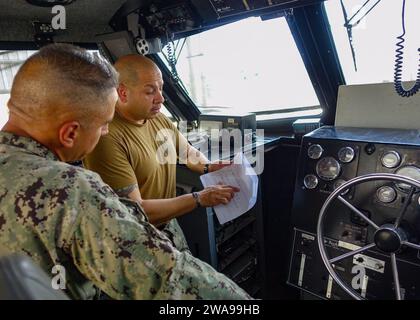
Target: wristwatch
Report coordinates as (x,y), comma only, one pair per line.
(206,168)
(197,199)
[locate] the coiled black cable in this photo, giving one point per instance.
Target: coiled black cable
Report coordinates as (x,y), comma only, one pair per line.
(399,65)
(172,60)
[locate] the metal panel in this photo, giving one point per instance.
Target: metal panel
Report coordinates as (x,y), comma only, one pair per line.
(84,19)
(376,106)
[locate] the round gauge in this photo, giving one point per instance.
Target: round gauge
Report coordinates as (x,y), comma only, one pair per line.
(310,181)
(412,172)
(315,151)
(391,159)
(386,194)
(346,154)
(338,184)
(328,168)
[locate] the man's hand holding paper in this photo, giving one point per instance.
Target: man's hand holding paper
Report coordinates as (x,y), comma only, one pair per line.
(241,175)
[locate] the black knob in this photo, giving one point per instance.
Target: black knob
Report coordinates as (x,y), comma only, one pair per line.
(370,148)
(387,240)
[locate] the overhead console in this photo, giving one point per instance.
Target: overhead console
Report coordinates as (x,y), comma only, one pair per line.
(180,18)
(214,11)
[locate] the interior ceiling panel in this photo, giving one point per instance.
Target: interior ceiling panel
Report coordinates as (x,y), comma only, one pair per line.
(87,18)
(84,19)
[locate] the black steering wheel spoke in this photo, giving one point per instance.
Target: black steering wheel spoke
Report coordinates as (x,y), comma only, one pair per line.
(411,245)
(358,212)
(352,253)
(405,206)
(395,276)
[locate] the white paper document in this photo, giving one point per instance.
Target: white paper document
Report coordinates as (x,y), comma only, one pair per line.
(240,174)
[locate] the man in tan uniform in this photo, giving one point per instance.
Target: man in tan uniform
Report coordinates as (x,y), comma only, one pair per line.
(129,158)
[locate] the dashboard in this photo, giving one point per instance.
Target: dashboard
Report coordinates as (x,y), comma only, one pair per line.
(330,157)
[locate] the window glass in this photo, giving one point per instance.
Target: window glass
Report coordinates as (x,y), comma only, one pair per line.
(247,66)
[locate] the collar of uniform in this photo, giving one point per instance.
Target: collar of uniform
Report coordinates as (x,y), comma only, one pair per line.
(28,144)
(119,116)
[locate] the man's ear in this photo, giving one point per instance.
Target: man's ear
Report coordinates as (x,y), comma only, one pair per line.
(122,93)
(68,133)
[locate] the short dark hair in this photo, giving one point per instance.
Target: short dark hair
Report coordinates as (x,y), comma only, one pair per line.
(79,65)
(63,74)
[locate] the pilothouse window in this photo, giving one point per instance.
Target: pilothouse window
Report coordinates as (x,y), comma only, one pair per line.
(247,66)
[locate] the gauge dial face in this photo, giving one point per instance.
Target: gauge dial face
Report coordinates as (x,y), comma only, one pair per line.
(391,159)
(338,184)
(315,151)
(328,168)
(412,172)
(386,194)
(346,154)
(310,181)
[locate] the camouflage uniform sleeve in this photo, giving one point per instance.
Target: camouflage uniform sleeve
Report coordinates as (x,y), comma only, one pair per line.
(114,246)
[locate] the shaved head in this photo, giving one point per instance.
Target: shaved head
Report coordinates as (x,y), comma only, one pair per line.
(140,90)
(132,67)
(61,82)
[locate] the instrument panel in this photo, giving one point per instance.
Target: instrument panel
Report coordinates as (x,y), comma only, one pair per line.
(331,156)
(329,165)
